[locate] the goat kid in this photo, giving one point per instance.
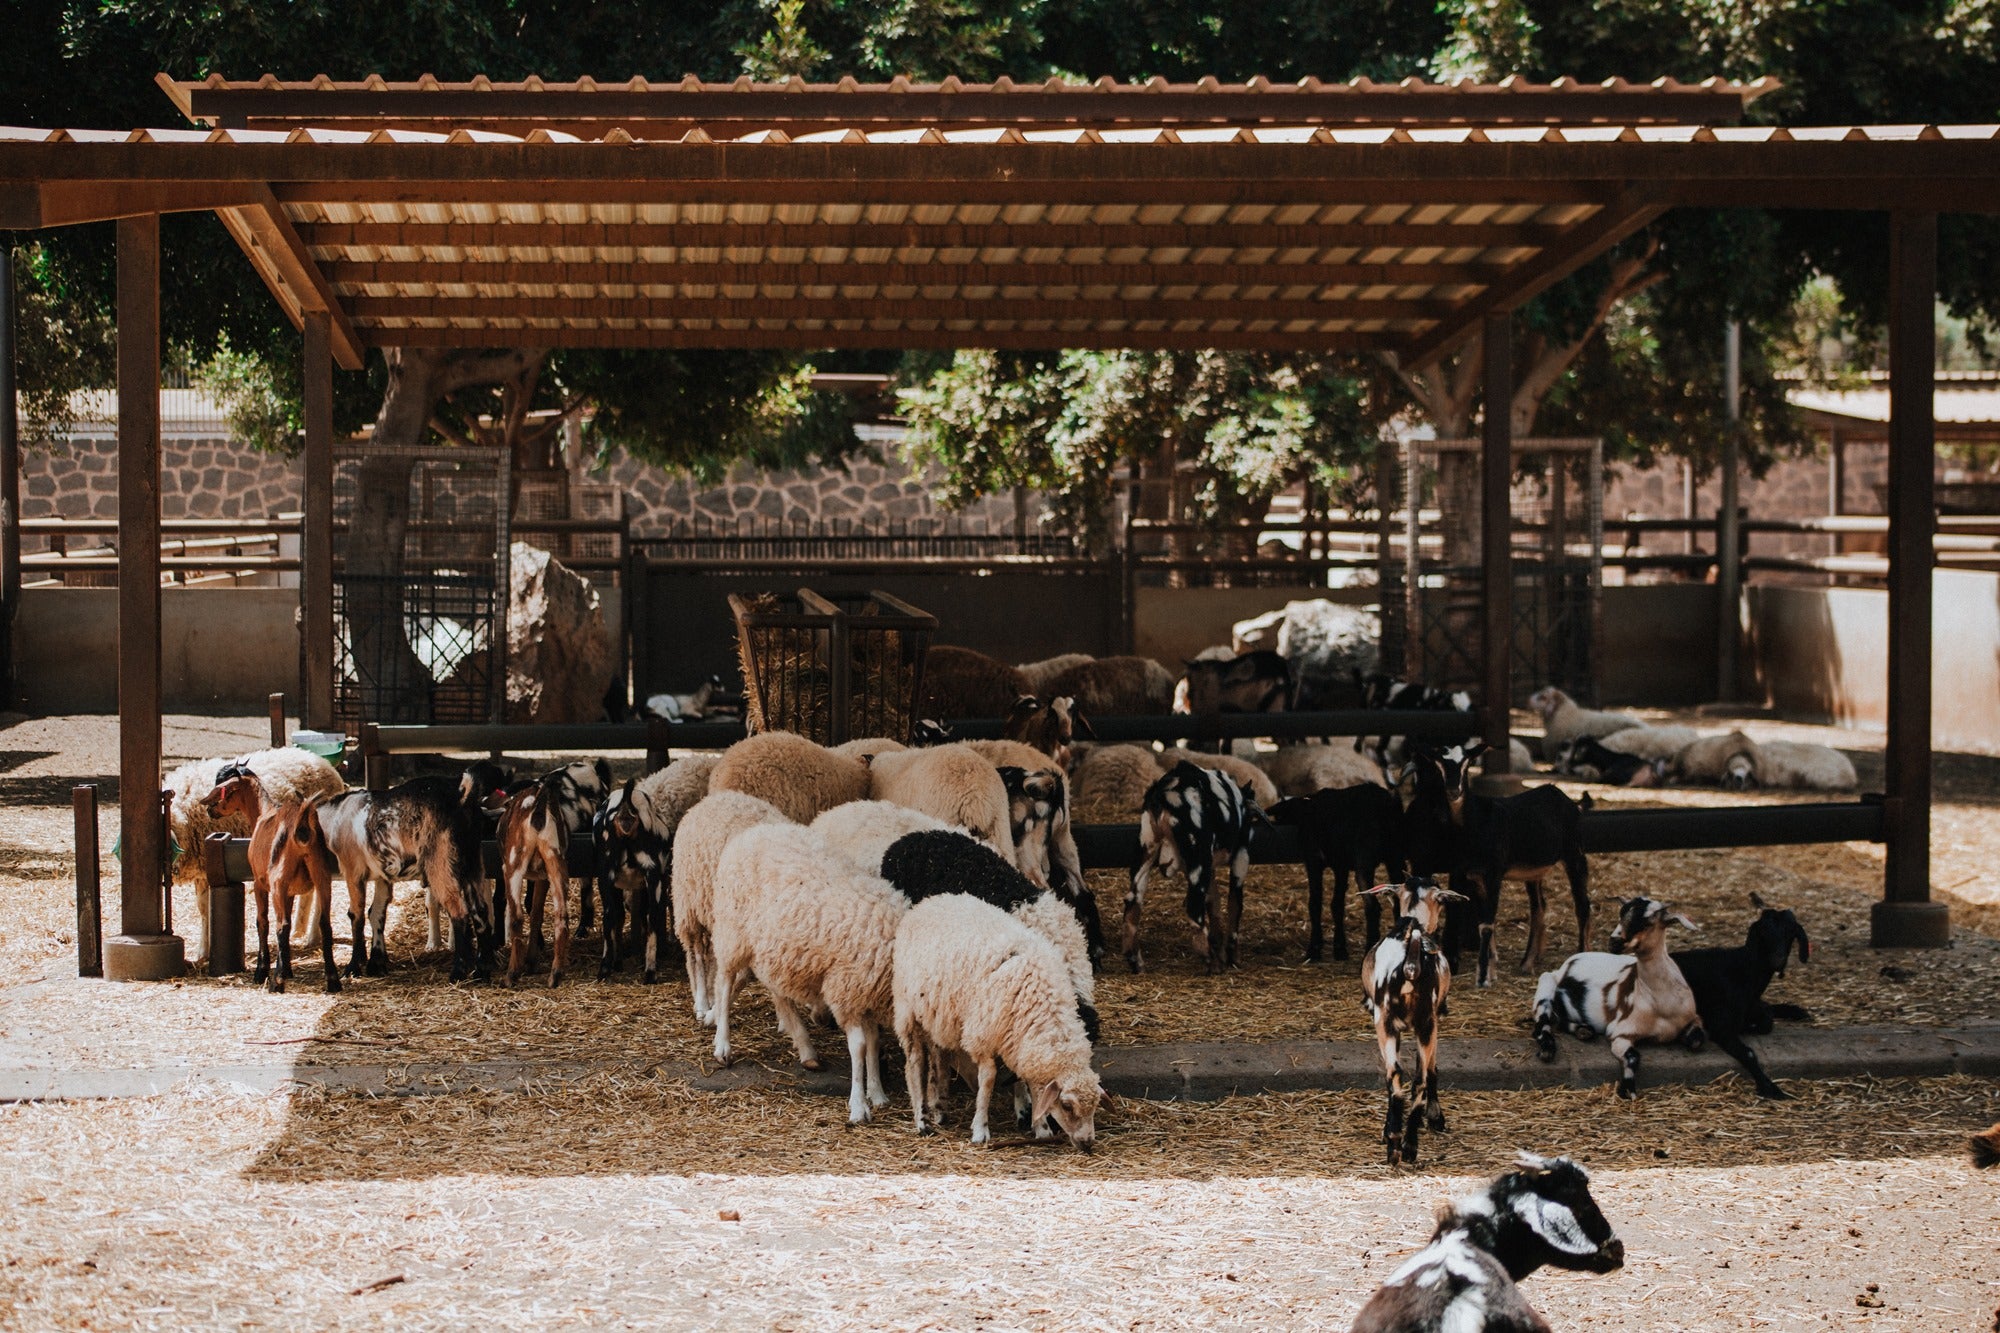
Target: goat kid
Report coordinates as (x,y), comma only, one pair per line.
(1044,847)
(536,826)
(1729,985)
(426,828)
(1629,997)
(634,859)
(1538,1214)
(1353,830)
(1188,817)
(1405,981)
(289,862)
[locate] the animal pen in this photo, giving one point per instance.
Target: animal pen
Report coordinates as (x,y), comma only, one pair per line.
(1405,220)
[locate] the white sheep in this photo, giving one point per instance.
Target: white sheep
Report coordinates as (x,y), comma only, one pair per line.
(1113,778)
(867,747)
(954,783)
(970,979)
(1564,719)
(1726,761)
(817,933)
(1242,772)
(800,778)
(1804,766)
(286,775)
(1652,744)
(861,831)
(704,834)
(1301,770)
(1040,673)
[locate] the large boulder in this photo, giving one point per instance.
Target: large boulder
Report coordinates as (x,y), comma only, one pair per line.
(1326,643)
(560,658)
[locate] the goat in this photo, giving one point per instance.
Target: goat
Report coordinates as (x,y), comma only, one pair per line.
(1588,757)
(536,826)
(1050,728)
(1353,830)
(1464,1280)
(1404,983)
(1630,998)
(1450,830)
(1729,984)
(1188,816)
(289,862)
(1385,692)
(634,858)
(1258,682)
(1985,1148)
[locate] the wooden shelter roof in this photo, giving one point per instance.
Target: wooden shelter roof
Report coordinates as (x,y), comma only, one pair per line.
(1301,217)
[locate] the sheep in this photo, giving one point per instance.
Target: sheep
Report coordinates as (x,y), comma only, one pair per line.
(1353,830)
(1985,1148)
(1301,770)
(970,979)
(1245,774)
(289,863)
(862,832)
(1189,816)
(428,827)
(1564,719)
(953,782)
(1802,766)
(959,682)
(287,774)
(1040,673)
(536,826)
(798,777)
(1464,1280)
(867,748)
(1654,744)
(698,845)
(1630,998)
(634,833)
(817,933)
(1727,761)
(1405,981)
(1729,985)
(1494,839)
(1115,686)
(1256,682)
(1589,758)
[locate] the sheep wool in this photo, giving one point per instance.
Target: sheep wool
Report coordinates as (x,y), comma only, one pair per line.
(1564,719)
(1115,686)
(1651,743)
(1114,778)
(1040,673)
(1301,770)
(703,836)
(1242,772)
(868,747)
(863,831)
(950,782)
(801,779)
(1804,766)
(676,789)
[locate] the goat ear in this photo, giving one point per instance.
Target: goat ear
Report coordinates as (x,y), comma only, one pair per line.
(1452,896)
(1380,889)
(1756,900)
(1680,920)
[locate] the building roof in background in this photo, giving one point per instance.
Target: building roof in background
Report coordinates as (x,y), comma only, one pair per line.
(1964,398)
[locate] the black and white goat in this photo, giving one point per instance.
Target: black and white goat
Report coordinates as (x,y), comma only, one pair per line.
(1038,814)
(1491,839)
(1352,830)
(634,859)
(1464,1280)
(1254,682)
(1589,758)
(1404,984)
(1380,691)
(1729,985)
(1187,818)
(1629,997)
(536,827)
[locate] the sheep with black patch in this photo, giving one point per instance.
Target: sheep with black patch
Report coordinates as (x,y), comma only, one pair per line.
(817,933)
(862,832)
(703,836)
(971,980)
(954,783)
(801,779)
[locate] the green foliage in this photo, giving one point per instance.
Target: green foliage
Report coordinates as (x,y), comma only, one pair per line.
(66,342)
(262,408)
(785,49)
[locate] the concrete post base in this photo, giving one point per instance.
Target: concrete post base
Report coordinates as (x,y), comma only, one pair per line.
(1909,925)
(144,958)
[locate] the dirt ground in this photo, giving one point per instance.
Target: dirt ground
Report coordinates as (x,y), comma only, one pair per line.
(600,1202)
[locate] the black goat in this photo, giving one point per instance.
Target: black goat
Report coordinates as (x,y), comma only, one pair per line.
(1353,830)
(1587,757)
(1729,984)
(1450,830)
(1381,691)
(1539,1214)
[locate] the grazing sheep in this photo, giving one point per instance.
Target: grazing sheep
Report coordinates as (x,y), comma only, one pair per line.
(800,778)
(287,774)
(1564,719)
(867,748)
(862,832)
(1353,830)
(959,682)
(1040,673)
(1252,779)
(1802,766)
(970,979)
(698,846)
(536,828)
(1630,998)
(1729,761)
(1115,687)
(289,863)
(1301,770)
(818,934)
(1190,816)
(953,782)
(1464,1280)
(1653,744)
(1405,981)
(1113,778)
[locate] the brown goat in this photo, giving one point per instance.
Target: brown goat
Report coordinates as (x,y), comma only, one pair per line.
(289,861)
(1050,728)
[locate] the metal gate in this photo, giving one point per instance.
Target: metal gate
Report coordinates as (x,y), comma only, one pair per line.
(1557,545)
(420,586)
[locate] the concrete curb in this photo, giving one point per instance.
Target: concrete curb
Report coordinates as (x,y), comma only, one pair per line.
(1191,1071)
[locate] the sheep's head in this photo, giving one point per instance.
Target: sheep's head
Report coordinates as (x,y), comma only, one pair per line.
(1642,925)
(1548,701)
(1072,1101)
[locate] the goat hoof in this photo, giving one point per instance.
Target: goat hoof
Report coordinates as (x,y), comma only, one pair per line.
(1545,1051)
(813,1065)
(649,978)
(555,980)
(1774,1093)
(276,985)
(333,983)
(378,963)
(1628,1092)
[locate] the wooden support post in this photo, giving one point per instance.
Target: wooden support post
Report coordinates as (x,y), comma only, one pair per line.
(316,528)
(89,900)
(278,721)
(374,763)
(659,743)
(1906,917)
(10,484)
(1496,698)
(1728,523)
(225,908)
(143,950)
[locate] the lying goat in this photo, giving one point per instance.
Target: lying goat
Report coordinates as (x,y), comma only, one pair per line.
(289,862)
(1630,998)
(1464,1280)
(1189,816)
(1729,984)
(1352,830)
(1587,757)
(1404,983)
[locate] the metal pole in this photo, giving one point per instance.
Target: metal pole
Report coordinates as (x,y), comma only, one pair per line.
(1728,538)
(1906,917)
(10,484)
(143,950)
(1496,541)
(316,527)
(89,901)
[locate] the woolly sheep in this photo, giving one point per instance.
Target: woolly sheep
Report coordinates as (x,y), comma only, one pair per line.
(959,682)
(1113,778)
(1301,770)
(1651,743)
(800,778)
(287,775)
(861,832)
(1241,771)
(698,845)
(1114,686)
(1564,719)
(818,934)
(1804,766)
(868,747)
(970,979)
(1727,761)
(955,783)
(1039,674)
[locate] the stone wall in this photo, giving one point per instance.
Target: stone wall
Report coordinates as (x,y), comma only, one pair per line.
(1794,488)
(199,478)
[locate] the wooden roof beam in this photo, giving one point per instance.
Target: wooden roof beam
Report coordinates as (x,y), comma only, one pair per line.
(796,308)
(816,339)
(28,206)
(346,274)
(288,269)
